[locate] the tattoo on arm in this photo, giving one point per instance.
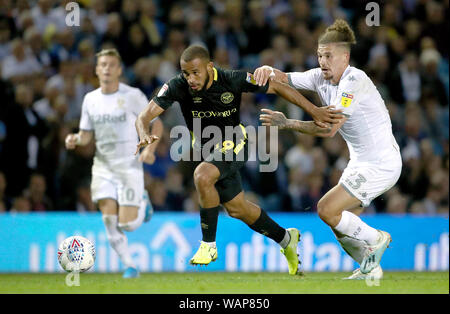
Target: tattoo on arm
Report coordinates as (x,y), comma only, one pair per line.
(307,127)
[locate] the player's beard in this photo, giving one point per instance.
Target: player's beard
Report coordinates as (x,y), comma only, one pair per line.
(205,83)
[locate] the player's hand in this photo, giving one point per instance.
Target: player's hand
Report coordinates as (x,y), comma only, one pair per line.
(72,141)
(328,114)
(273,118)
(147,156)
(262,75)
(145,140)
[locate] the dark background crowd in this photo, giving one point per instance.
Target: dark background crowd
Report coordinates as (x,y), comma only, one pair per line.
(46,67)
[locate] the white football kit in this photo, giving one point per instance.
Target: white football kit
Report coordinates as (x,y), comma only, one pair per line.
(375,162)
(116,173)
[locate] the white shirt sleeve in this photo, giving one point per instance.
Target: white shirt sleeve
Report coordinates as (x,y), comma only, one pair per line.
(351,90)
(141,103)
(304,80)
(85,120)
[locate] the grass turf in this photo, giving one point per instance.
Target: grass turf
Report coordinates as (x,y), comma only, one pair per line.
(227,283)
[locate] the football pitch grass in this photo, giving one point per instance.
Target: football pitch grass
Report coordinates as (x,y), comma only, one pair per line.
(227,283)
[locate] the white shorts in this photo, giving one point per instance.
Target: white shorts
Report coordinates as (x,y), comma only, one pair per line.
(126,187)
(366,181)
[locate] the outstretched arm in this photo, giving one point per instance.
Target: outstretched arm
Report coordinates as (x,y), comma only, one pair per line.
(148,153)
(264,73)
(142,125)
(321,115)
(277,118)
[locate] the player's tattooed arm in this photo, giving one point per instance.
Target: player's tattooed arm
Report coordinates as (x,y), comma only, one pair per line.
(321,115)
(276,118)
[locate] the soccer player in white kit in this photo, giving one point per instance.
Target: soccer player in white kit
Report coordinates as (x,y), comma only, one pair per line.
(375,162)
(108,116)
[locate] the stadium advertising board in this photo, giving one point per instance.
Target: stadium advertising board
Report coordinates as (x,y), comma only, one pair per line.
(30,241)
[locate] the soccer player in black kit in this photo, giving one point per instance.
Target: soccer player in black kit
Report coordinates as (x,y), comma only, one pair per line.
(213,96)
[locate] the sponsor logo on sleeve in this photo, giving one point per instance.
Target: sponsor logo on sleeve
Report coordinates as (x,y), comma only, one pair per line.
(346,99)
(163,90)
(250,78)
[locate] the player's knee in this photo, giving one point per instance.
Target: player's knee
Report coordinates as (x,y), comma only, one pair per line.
(203,180)
(128,226)
(129,218)
(324,211)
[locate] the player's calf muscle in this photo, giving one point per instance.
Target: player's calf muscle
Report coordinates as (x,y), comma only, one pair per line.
(127,214)
(108,206)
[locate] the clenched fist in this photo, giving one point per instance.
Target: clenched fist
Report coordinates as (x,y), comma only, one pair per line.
(72,140)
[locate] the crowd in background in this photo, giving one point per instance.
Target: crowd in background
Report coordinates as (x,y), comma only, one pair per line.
(46,68)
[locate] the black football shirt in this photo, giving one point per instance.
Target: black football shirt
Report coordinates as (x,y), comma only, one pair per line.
(218,105)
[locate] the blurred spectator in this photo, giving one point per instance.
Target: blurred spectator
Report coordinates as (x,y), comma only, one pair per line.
(98,15)
(35,42)
(84,199)
(153,27)
(257,28)
(36,194)
(431,82)
(5,201)
(300,154)
(7,27)
(21,204)
(137,45)
(397,203)
(20,66)
(158,196)
(42,16)
(129,13)
(115,33)
(46,69)
(21,151)
(163,161)
(407,82)
(146,75)
(175,189)
(191,203)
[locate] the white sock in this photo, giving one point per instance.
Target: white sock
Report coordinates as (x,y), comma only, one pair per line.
(118,240)
(284,243)
(353,227)
(211,244)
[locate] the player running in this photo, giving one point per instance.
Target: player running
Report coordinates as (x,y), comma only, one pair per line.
(211,96)
(375,162)
(108,116)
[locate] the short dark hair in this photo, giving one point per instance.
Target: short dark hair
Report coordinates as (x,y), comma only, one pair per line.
(195,51)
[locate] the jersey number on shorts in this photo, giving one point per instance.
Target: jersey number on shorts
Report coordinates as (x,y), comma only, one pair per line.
(129,195)
(356,184)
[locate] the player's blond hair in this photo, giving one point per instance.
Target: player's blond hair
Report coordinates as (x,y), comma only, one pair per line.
(340,33)
(109,52)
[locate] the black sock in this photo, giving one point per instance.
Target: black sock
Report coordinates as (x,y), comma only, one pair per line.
(266,226)
(208,221)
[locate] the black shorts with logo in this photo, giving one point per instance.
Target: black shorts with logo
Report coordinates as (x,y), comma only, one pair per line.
(230,183)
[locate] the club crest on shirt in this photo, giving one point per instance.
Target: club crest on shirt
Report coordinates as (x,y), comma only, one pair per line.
(346,99)
(226,97)
(250,78)
(120,103)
